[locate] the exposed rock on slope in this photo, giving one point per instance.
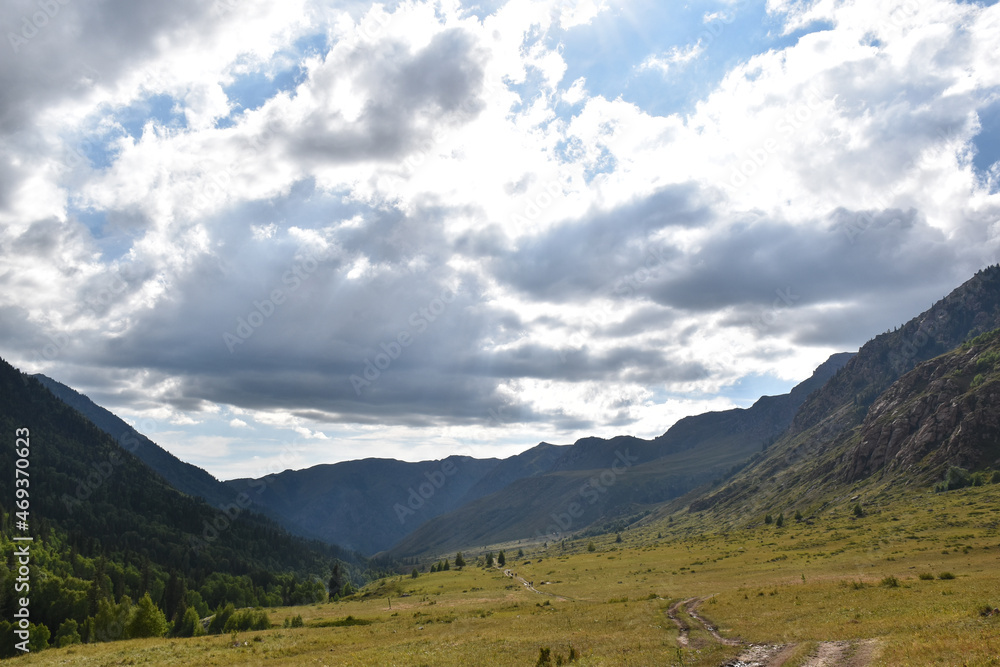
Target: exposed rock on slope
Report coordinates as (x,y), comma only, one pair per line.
(946,411)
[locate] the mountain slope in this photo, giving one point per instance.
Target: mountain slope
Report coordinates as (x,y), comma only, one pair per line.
(370,504)
(944,412)
(83,482)
(603,479)
(184,477)
(873,409)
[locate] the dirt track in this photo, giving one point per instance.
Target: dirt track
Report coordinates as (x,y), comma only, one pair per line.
(826,654)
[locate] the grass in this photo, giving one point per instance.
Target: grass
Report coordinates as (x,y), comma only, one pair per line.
(827,578)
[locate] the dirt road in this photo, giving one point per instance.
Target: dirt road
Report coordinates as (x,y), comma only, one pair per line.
(826,654)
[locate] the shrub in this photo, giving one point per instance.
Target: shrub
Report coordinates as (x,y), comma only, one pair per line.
(544,657)
(222,615)
(148,620)
(996,477)
(946,575)
(798,515)
(248,619)
(926,576)
(591,547)
(296,622)
(890,582)
(957,478)
(768,519)
(859,511)
(780,520)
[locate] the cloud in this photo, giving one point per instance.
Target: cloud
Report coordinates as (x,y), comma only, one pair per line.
(211,252)
(676,56)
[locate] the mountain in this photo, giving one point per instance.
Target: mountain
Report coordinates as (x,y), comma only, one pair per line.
(898,406)
(609,480)
(184,477)
(370,504)
(106,526)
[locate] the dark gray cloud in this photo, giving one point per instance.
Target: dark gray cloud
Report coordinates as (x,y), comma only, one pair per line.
(579,258)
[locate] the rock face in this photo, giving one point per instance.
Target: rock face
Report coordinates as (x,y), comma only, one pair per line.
(945,411)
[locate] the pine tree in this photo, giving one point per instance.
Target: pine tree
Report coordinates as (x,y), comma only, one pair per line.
(336,583)
(489,559)
(501,560)
(459,561)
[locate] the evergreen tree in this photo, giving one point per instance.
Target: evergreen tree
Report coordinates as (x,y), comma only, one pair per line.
(459,561)
(147,620)
(218,623)
(188,625)
(489,559)
(501,560)
(68,633)
(336,581)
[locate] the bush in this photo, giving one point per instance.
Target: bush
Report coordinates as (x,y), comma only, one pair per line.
(780,521)
(768,519)
(957,478)
(296,622)
(859,511)
(926,576)
(222,615)
(544,657)
(946,575)
(591,547)
(890,582)
(248,619)
(996,477)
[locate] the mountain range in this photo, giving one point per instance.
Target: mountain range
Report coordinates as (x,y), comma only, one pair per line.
(908,404)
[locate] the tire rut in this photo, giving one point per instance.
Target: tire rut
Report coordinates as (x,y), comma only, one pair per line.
(827,654)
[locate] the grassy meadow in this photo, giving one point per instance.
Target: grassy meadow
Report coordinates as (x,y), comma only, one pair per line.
(912,575)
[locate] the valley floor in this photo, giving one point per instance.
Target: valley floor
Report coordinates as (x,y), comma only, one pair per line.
(910,583)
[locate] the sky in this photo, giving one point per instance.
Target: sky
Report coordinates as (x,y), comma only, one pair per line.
(277,234)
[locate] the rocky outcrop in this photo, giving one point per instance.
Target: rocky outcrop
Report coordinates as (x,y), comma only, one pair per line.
(944,412)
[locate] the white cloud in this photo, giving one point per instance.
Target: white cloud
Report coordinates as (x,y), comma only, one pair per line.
(676,56)
(423,148)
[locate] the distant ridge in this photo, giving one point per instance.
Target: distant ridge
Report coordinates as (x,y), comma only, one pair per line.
(692,452)
(184,477)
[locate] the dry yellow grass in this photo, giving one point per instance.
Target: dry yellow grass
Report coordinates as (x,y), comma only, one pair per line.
(796,585)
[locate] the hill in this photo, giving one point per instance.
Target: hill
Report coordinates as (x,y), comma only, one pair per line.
(184,477)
